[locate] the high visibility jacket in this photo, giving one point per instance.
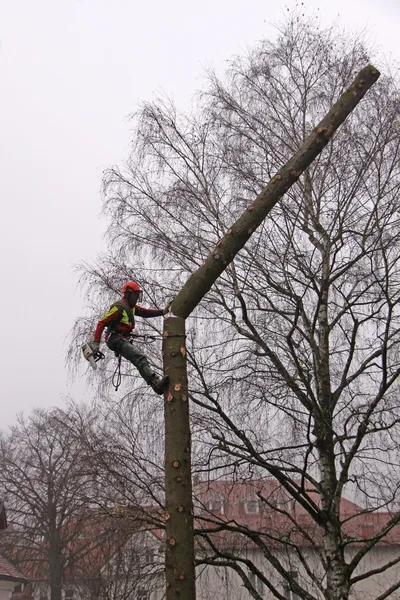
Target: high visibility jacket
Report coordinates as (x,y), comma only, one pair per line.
(121,319)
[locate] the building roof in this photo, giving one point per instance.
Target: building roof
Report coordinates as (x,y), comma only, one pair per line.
(8,572)
(261,506)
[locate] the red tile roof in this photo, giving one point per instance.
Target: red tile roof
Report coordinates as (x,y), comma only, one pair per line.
(7,571)
(291,523)
(98,537)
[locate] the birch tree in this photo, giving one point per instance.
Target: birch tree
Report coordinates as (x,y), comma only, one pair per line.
(293,353)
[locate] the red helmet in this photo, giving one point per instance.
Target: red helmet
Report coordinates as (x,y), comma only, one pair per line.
(132,286)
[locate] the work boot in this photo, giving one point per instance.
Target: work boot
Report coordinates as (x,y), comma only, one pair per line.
(159,383)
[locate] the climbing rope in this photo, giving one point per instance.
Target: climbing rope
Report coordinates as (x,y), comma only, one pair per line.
(117,376)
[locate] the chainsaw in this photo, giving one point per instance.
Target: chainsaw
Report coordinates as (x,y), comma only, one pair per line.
(92,356)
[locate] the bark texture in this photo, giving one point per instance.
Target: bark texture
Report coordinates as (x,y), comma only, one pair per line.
(179,564)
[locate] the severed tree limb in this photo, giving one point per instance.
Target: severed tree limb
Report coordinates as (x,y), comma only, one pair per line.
(200,282)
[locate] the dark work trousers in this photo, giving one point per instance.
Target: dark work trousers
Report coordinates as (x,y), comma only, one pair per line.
(132,353)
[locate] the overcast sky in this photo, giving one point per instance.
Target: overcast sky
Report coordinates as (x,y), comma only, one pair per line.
(71,71)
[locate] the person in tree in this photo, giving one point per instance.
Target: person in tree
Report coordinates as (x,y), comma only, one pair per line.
(119,323)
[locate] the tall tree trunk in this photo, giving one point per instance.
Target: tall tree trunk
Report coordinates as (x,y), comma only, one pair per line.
(180,568)
(337,579)
(337,585)
(55,571)
(179,561)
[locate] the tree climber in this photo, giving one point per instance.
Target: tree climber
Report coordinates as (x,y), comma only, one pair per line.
(120,323)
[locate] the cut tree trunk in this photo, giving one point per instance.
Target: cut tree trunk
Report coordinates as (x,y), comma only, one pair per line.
(179,560)
(180,567)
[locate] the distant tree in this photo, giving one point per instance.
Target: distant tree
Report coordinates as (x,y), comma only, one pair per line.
(134,570)
(294,353)
(123,444)
(46,484)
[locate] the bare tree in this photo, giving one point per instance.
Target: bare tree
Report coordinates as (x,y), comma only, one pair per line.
(46,483)
(122,442)
(135,570)
(125,565)
(124,447)
(294,351)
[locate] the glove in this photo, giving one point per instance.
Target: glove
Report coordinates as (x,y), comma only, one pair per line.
(94,346)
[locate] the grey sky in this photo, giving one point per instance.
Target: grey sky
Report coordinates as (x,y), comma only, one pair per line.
(71,71)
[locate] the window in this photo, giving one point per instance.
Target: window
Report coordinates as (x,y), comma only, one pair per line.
(19,588)
(289,595)
(149,556)
(256,583)
(287,592)
(252,506)
(142,560)
(216,504)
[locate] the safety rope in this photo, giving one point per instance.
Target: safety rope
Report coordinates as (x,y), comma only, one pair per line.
(117,376)
(152,338)
(147,337)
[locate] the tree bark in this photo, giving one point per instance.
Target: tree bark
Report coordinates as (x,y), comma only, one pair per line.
(179,563)
(55,570)
(180,567)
